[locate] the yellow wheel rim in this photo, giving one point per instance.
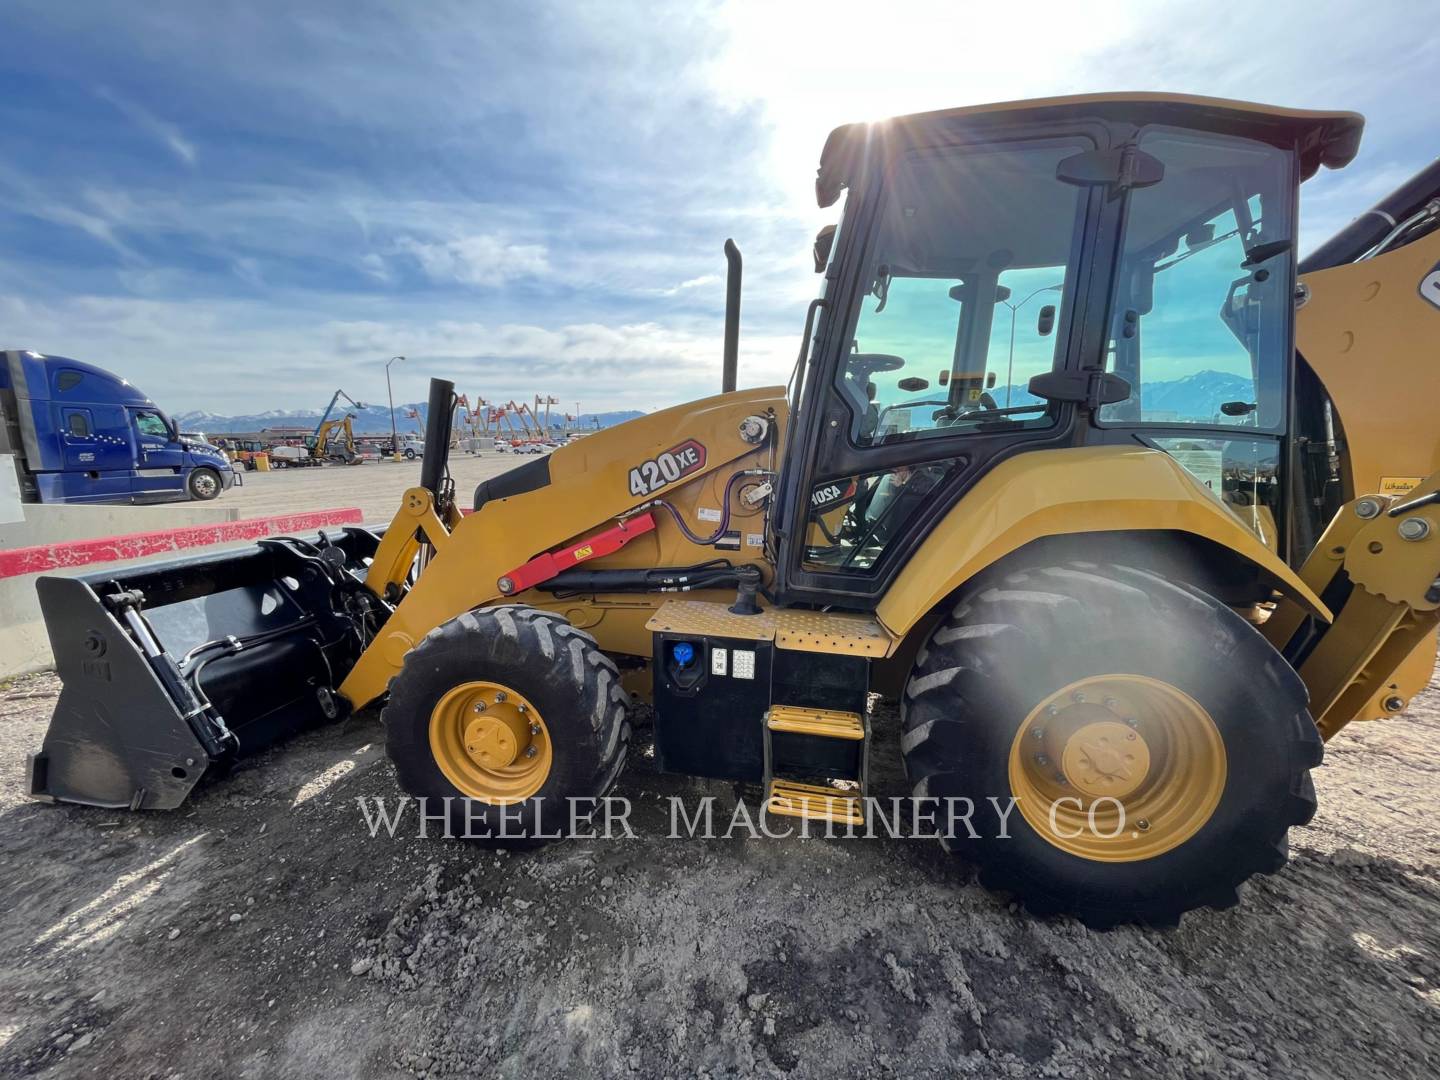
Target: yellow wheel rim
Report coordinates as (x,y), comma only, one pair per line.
(490,742)
(1118,768)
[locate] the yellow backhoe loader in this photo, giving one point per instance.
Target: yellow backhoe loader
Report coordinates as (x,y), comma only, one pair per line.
(1127,511)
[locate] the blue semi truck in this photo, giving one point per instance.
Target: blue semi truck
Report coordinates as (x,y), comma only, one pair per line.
(81,434)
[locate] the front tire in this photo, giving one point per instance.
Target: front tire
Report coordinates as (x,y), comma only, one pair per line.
(1108,700)
(203,484)
(501,716)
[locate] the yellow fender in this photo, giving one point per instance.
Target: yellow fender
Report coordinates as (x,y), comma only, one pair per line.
(1091,489)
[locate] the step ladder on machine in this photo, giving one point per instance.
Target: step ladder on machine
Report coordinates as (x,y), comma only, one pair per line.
(777,696)
(847,733)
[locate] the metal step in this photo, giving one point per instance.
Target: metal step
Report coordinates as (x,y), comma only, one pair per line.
(825,723)
(816,802)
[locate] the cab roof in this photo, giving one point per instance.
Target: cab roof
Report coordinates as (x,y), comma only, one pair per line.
(1323,138)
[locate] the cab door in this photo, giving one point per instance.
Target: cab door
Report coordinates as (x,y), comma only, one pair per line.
(159,457)
(97,459)
(957,283)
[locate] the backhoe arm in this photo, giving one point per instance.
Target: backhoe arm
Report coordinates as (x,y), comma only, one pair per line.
(1378,569)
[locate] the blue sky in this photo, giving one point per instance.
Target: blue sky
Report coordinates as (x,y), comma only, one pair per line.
(243,206)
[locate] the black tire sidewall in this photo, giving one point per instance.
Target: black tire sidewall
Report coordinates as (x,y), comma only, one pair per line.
(190,484)
(1221,662)
(577,745)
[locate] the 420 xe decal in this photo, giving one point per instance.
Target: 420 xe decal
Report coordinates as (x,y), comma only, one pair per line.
(650,476)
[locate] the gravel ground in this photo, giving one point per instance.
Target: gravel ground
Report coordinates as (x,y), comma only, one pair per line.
(375,487)
(261,931)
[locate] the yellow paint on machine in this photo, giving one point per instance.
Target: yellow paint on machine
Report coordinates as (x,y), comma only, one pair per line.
(589,479)
(1370,336)
(1063,492)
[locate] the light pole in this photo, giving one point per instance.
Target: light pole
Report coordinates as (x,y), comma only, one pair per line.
(394,435)
(1015,310)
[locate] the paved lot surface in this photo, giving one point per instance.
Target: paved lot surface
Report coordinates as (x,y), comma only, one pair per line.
(375,487)
(262,931)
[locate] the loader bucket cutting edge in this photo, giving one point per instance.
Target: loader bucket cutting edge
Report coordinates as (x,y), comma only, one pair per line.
(170,670)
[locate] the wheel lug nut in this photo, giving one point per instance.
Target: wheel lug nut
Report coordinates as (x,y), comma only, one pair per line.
(479,706)
(1130,722)
(1051,710)
(531,751)
(534,729)
(1041,760)
(1110,703)
(1143,824)
(520,708)
(1078,696)
(1037,734)
(500,696)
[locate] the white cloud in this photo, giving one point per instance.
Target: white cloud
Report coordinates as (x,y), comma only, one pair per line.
(225,343)
(374,266)
(143,118)
(480,260)
(692,283)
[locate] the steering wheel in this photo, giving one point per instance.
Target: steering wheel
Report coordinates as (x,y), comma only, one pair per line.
(950,414)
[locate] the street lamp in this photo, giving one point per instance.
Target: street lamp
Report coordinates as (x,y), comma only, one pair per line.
(395,436)
(1015,310)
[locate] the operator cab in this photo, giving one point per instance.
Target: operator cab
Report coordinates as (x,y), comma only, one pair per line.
(1097,270)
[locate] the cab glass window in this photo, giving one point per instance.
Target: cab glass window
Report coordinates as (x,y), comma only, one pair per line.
(77,425)
(1242,473)
(1201,321)
(152,426)
(853,519)
(969,268)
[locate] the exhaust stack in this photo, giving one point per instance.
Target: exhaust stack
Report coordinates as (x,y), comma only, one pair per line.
(437,436)
(732,317)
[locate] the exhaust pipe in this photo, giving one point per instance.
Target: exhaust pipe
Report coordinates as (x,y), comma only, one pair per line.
(732,317)
(436,461)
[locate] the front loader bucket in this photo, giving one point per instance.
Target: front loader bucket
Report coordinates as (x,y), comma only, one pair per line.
(173,669)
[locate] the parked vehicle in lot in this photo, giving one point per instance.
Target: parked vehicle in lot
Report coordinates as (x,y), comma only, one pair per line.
(411,447)
(79,433)
(286,456)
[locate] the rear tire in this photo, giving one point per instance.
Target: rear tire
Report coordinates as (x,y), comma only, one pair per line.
(572,686)
(988,679)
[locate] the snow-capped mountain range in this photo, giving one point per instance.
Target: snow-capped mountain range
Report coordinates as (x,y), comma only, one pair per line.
(1195,397)
(371,420)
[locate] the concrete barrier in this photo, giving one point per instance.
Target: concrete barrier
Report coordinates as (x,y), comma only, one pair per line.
(76,547)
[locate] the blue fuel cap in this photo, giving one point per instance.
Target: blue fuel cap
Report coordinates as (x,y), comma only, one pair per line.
(684,653)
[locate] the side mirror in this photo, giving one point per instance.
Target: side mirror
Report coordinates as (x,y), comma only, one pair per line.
(1046,322)
(824,241)
(990,381)
(957,292)
(1002,293)
(913,383)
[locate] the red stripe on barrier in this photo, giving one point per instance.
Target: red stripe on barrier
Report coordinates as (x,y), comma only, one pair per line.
(75,553)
